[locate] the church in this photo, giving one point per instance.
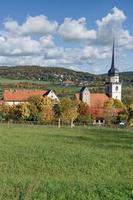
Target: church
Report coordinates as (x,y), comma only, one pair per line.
(113,89)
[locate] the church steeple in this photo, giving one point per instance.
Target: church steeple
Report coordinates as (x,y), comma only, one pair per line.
(113,71)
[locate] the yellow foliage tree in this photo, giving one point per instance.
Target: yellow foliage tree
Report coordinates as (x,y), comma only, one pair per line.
(68,110)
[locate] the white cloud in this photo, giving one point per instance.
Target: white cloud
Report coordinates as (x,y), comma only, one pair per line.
(47,41)
(93,53)
(75,30)
(15,46)
(33,25)
(11,25)
(111,26)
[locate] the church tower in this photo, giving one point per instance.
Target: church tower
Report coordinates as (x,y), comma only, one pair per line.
(113,86)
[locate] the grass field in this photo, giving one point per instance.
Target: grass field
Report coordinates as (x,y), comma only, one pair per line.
(38,163)
(58,89)
(9,81)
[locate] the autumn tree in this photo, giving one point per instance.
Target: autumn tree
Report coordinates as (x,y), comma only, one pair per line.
(40,102)
(47,115)
(4,112)
(122,111)
(115,111)
(130,115)
(22,111)
(84,113)
(109,111)
(57,113)
(68,110)
(41,109)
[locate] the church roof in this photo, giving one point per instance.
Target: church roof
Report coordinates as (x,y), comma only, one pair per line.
(97,100)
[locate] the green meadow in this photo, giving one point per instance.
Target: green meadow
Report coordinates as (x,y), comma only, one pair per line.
(48,163)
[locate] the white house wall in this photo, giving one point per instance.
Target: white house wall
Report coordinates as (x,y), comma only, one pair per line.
(53,96)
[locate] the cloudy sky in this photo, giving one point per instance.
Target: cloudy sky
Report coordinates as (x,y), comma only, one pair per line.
(76,34)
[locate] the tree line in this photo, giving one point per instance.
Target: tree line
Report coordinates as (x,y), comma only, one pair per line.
(42,110)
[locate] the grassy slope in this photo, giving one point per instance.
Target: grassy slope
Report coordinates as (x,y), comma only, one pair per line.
(57,164)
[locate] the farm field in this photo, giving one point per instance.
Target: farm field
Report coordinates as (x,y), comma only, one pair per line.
(9,81)
(6,83)
(39,162)
(39,85)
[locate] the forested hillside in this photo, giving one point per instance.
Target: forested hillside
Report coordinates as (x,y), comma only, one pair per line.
(56,73)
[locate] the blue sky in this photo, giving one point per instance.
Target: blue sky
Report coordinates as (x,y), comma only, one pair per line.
(76,34)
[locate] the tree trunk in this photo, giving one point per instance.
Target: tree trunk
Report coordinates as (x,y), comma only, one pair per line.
(71,123)
(59,123)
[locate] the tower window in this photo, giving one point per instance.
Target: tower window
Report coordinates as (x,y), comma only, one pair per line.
(116,88)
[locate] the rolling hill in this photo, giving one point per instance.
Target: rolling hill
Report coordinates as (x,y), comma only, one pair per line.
(56,74)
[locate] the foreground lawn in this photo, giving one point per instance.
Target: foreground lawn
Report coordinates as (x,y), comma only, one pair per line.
(39,163)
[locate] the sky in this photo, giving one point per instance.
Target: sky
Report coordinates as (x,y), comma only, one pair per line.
(75,34)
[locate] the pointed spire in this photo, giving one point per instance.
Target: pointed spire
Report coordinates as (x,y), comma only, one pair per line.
(113,56)
(113,71)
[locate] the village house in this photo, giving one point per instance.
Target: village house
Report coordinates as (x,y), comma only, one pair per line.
(67,83)
(14,97)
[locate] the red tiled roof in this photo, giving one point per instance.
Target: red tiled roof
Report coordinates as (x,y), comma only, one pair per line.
(21,95)
(97,100)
